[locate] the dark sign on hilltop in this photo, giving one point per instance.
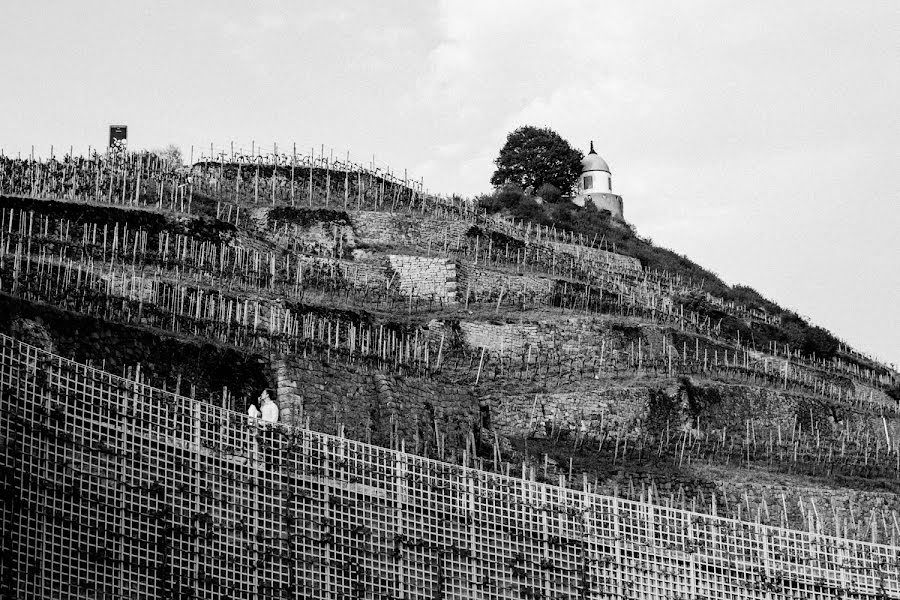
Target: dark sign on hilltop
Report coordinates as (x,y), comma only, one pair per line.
(118,134)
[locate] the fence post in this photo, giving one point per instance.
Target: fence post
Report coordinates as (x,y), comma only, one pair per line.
(400,498)
(618,566)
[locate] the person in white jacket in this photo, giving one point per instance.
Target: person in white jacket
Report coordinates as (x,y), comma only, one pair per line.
(268,407)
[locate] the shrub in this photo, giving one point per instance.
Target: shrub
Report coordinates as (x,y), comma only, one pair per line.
(529,210)
(549,193)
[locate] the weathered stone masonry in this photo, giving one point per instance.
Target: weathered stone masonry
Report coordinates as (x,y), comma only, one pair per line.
(575,337)
(423,277)
(617,261)
(371,404)
(380,228)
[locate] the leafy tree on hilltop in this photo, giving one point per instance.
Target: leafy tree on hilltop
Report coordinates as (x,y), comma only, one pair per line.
(549,193)
(534,156)
(170,153)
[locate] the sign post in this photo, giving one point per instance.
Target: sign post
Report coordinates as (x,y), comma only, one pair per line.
(118,135)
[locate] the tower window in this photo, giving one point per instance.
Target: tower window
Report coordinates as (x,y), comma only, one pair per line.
(588,182)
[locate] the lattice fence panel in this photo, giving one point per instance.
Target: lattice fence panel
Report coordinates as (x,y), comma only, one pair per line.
(114,489)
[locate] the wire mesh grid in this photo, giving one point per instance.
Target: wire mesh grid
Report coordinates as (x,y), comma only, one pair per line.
(115,489)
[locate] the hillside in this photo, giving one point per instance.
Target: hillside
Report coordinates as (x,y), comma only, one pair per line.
(596,228)
(566,348)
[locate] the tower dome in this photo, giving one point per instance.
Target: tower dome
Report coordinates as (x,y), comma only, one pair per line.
(593,162)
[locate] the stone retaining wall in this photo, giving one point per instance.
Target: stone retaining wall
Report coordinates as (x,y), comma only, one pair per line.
(481,283)
(636,408)
(589,411)
(423,277)
(619,261)
(400,229)
(576,337)
(323,239)
(372,404)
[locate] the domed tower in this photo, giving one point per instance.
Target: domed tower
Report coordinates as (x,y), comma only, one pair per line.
(595,184)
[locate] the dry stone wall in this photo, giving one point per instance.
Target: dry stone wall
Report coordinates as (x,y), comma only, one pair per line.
(322,239)
(480,284)
(616,261)
(575,336)
(629,409)
(586,411)
(423,277)
(387,229)
(723,405)
(163,359)
(371,404)
(315,232)
(358,273)
(510,339)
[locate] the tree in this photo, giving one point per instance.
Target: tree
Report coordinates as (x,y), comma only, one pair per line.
(171,154)
(549,193)
(534,156)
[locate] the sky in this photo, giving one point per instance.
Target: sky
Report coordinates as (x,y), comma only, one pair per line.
(760,139)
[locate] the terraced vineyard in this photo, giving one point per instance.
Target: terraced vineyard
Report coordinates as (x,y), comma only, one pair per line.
(399,319)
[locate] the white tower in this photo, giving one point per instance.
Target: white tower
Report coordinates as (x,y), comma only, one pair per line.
(595,175)
(595,184)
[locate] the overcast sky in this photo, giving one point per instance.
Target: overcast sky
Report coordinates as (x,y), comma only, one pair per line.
(761,139)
